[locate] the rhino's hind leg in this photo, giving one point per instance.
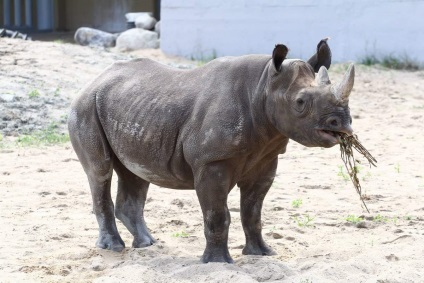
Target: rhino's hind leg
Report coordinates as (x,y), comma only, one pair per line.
(132,193)
(103,209)
(252,196)
(97,160)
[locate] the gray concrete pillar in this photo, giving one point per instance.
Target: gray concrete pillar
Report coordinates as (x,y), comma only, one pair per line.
(28,13)
(6,12)
(18,9)
(45,14)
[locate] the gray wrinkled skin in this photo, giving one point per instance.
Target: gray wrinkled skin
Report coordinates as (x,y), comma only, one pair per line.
(206,129)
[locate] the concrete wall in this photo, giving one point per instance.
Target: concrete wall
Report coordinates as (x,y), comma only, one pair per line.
(198,28)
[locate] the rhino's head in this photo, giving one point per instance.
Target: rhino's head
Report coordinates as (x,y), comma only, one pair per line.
(305,106)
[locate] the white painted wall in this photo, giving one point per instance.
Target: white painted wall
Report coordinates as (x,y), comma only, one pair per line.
(197,28)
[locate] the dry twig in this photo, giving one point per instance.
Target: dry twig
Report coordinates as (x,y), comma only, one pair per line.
(346,145)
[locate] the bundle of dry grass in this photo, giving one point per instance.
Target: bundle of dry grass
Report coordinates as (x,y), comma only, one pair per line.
(346,145)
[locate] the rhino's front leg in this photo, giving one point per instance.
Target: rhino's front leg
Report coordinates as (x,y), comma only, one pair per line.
(212,184)
(253,193)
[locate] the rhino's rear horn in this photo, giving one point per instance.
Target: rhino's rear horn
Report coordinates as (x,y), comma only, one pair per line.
(343,89)
(322,57)
(322,76)
(278,55)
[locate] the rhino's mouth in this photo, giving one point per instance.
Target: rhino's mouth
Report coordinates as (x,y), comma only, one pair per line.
(331,136)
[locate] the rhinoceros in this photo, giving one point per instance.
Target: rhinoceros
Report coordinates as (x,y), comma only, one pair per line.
(206,129)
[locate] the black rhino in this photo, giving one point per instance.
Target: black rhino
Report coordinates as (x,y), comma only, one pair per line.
(207,129)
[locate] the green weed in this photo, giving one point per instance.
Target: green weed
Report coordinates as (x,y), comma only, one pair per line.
(181,234)
(369,60)
(381,219)
(366,176)
(397,168)
(57,92)
(305,221)
(297,203)
(354,219)
(48,136)
(34,94)
(342,174)
(392,62)
(204,59)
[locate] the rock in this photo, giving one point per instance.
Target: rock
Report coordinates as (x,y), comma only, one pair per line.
(98,264)
(277,235)
(157,28)
(144,20)
(93,37)
(7,97)
(363,224)
(136,38)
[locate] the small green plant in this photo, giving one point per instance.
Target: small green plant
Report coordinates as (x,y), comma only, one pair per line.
(60,41)
(366,176)
(342,174)
(34,94)
(297,203)
(379,218)
(272,229)
(394,220)
(392,62)
(399,63)
(305,221)
(354,219)
(48,136)
(369,60)
(397,168)
(408,217)
(181,234)
(57,92)
(275,184)
(204,59)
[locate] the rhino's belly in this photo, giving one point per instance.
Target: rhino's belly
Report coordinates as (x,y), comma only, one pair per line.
(160,178)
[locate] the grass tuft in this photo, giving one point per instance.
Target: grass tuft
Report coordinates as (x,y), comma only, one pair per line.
(48,136)
(33,94)
(297,203)
(354,219)
(392,62)
(181,234)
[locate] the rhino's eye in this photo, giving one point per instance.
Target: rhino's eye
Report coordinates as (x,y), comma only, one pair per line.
(300,102)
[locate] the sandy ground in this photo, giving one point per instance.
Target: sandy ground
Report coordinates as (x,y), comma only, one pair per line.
(48,231)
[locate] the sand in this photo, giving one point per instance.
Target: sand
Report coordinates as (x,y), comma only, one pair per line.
(48,230)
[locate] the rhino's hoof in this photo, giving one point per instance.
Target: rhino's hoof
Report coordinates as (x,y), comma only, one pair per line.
(258,250)
(110,243)
(143,243)
(211,257)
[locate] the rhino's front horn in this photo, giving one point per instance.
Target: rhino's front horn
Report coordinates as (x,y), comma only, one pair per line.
(322,76)
(343,89)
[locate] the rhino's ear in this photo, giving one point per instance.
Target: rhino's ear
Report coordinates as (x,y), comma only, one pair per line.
(278,55)
(322,57)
